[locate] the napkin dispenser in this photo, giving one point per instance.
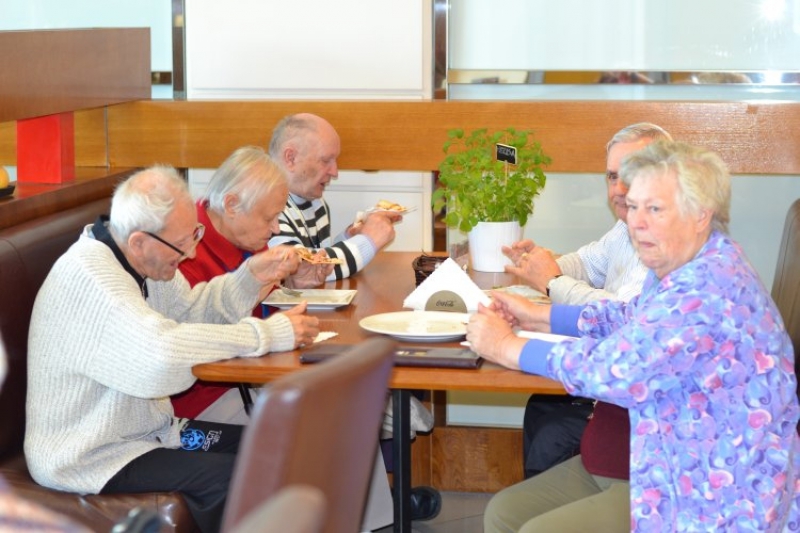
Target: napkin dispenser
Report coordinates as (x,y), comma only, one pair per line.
(448,288)
(446,301)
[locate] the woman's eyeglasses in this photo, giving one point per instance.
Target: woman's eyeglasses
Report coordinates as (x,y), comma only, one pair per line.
(198,233)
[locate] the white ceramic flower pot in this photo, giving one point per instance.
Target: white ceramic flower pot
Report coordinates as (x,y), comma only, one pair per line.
(486,241)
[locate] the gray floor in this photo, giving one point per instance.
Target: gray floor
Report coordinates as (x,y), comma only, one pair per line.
(462,512)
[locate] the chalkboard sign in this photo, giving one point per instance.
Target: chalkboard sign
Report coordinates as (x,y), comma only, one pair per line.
(506,153)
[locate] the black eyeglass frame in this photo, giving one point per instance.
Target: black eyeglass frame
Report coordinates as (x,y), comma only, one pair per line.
(199,231)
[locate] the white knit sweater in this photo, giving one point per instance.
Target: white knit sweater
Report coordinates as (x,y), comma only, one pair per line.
(103,361)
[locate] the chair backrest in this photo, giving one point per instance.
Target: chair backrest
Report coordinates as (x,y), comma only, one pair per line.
(786,285)
(294,509)
(316,427)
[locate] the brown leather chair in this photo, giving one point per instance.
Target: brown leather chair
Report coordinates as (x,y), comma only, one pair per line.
(294,509)
(316,427)
(786,284)
(27,251)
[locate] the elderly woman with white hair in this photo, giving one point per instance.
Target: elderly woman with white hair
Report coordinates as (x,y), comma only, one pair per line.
(240,211)
(700,359)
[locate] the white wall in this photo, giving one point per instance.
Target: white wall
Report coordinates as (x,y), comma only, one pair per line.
(654,35)
(57,14)
(311,49)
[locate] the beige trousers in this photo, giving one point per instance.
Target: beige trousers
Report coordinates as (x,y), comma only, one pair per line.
(563,499)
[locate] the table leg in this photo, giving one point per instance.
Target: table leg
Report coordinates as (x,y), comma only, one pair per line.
(401,457)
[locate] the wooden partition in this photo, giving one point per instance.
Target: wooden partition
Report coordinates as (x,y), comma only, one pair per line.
(45,72)
(80,71)
(753,138)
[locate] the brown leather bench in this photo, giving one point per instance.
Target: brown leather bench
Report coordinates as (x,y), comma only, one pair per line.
(27,252)
(786,284)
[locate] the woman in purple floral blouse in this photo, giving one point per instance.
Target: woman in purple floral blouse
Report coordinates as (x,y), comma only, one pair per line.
(700,359)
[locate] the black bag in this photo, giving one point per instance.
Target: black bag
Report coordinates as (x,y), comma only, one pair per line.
(552,430)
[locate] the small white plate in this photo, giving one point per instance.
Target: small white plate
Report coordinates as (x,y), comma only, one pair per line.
(418,326)
(380,210)
(318,299)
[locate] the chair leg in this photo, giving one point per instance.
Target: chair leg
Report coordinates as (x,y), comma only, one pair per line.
(401,459)
(247,399)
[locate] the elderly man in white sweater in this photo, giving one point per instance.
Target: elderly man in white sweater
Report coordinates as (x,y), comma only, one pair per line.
(116,330)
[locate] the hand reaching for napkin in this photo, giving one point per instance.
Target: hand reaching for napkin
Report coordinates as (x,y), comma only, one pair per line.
(448,277)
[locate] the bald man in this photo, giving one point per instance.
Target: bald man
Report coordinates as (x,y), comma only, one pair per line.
(306,147)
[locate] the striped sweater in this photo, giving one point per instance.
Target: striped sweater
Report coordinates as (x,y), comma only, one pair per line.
(307,223)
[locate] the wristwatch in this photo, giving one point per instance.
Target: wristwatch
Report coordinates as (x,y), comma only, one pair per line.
(550,283)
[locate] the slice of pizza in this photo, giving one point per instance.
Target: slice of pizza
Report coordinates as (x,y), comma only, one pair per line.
(309,256)
(389,206)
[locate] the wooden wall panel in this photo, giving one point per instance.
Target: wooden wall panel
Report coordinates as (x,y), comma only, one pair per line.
(8,143)
(91,149)
(52,71)
(755,138)
(475,459)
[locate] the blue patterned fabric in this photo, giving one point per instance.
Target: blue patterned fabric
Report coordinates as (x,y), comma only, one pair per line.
(703,363)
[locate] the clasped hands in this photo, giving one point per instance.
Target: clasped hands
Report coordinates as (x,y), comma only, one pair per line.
(490,331)
(533,264)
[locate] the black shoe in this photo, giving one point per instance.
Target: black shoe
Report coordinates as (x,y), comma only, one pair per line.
(426,502)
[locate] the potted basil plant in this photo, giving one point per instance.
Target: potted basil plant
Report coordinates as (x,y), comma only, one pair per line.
(487,184)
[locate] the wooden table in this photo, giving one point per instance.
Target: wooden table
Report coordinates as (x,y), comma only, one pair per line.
(382,287)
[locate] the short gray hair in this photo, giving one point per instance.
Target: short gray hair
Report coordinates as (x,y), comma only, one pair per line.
(249,174)
(703,178)
(144,201)
(290,128)
(638,131)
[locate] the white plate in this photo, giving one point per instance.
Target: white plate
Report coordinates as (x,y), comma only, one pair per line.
(318,299)
(418,326)
(380,210)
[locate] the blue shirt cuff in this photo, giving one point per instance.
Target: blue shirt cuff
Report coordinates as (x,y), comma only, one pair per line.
(564,319)
(533,359)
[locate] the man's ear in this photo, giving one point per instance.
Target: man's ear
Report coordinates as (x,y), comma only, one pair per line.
(136,242)
(289,157)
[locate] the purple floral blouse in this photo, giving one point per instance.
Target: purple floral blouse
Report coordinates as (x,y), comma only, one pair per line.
(703,363)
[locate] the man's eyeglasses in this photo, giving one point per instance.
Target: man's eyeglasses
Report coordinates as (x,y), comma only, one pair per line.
(198,233)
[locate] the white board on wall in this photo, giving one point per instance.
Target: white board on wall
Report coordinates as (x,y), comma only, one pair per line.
(272,48)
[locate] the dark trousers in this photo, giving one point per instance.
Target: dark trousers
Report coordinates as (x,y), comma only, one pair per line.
(552,430)
(201,470)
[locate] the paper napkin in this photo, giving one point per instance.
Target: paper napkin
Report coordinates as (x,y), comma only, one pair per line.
(325,335)
(448,277)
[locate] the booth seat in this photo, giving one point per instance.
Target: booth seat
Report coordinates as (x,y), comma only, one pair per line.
(27,251)
(786,284)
